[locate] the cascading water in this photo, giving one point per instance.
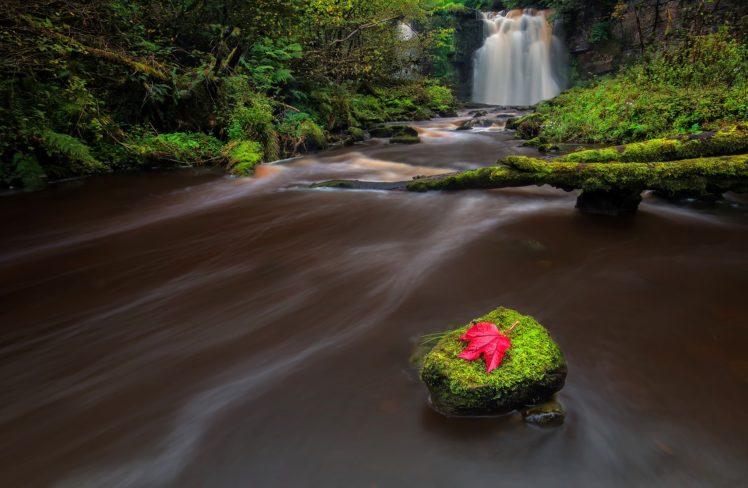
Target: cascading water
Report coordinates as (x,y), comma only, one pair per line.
(521,61)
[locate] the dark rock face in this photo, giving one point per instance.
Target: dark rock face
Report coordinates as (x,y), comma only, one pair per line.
(613,203)
(600,45)
(468,38)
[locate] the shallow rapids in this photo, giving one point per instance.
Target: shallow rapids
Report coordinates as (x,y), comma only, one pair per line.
(186,329)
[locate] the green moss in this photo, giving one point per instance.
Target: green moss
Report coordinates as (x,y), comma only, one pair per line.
(697,176)
(728,141)
(542,145)
(72,149)
(528,126)
(405,139)
(404,134)
(186,148)
(313,136)
(243,156)
(531,368)
(357,134)
(383,131)
(28,171)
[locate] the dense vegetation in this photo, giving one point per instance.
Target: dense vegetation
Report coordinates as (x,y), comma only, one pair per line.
(90,87)
(685,88)
(93,86)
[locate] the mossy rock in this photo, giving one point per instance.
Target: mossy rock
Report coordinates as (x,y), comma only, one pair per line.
(405,139)
(528,126)
(533,369)
(404,134)
(382,131)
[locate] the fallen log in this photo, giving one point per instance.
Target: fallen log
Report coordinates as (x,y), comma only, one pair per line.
(607,188)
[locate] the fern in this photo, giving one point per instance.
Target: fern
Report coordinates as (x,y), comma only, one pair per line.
(243,156)
(71,148)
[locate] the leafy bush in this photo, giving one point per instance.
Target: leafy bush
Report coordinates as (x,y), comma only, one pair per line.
(680,90)
(179,147)
(243,156)
(297,130)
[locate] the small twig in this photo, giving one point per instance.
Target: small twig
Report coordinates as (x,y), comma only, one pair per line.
(512,327)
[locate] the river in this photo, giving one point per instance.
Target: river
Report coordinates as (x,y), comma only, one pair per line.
(187,329)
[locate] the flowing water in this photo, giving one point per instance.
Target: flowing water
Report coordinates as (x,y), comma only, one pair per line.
(185,329)
(521,61)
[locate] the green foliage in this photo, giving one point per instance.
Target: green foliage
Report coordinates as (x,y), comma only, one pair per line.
(70,148)
(243,156)
(600,31)
(23,170)
(297,130)
(680,90)
(248,115)
(79,84)
(268,63)
(182,148)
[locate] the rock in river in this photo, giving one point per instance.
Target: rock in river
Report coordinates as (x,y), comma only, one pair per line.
(532,370)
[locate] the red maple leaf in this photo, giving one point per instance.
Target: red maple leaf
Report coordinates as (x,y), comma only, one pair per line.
(486,339)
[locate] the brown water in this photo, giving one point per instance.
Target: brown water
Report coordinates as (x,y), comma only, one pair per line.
(185,329)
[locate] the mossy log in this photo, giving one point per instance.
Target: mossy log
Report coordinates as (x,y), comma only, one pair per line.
(615,181)
(733,140)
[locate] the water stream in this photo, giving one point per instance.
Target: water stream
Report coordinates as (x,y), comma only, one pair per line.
(186,329)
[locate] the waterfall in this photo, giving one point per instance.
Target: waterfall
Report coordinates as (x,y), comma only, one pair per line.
(521,61)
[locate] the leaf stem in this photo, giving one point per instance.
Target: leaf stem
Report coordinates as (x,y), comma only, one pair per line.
(512,327)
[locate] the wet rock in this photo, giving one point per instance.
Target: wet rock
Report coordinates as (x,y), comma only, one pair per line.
(382,131)
(532,370)
(473,123)
(404,134)
(467,125)
(549,414)
(478,113)
(527,126)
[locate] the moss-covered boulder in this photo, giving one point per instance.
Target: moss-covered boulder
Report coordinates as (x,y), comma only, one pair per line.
(528,126)
(532,370)
(404,134)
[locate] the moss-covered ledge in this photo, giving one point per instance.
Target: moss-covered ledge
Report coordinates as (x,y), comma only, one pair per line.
(532,370)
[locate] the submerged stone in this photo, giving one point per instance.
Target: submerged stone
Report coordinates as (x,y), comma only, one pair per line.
(548,414)
(532,370)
